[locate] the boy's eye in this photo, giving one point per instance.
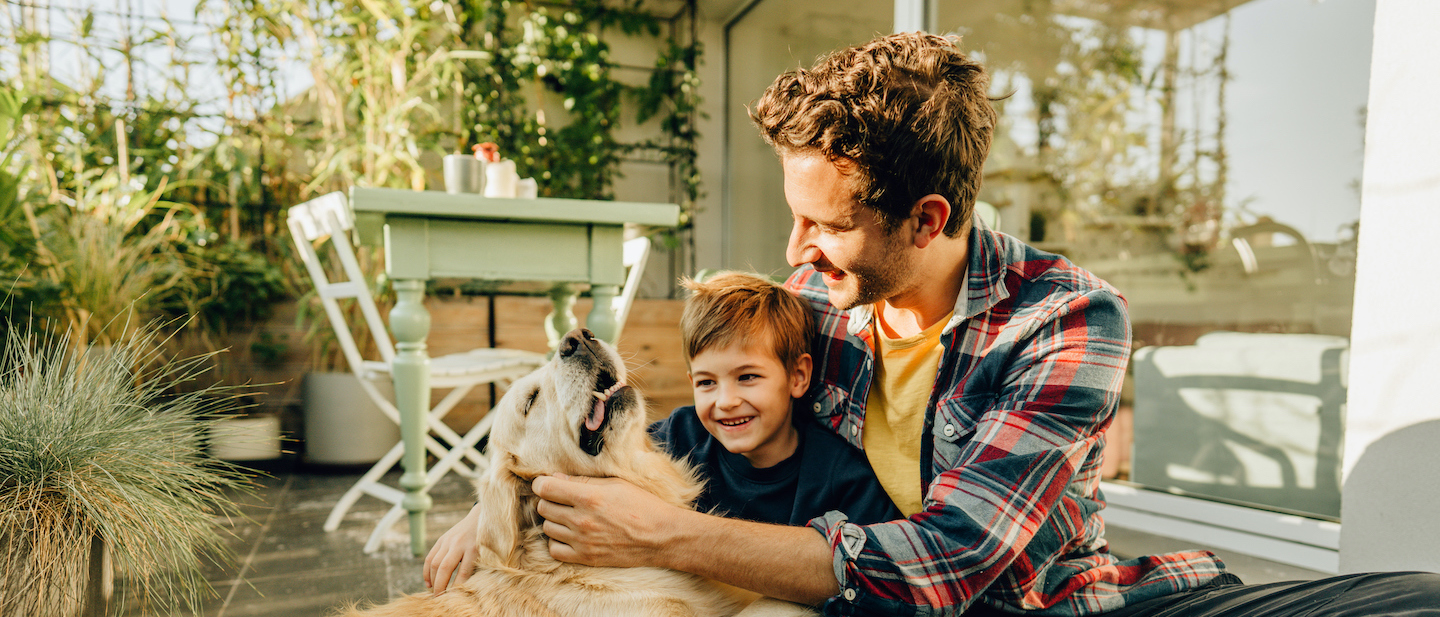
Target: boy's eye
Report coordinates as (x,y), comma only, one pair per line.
(704,383)
(749,377)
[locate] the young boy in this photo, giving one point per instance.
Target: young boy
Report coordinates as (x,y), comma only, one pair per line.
(745,340)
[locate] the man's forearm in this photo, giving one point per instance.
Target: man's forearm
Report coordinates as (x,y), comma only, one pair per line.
(790,563)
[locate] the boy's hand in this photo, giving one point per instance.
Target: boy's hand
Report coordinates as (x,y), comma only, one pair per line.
(454,553)
(603,521)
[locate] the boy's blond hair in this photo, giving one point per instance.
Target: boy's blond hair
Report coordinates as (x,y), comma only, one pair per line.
(738,307)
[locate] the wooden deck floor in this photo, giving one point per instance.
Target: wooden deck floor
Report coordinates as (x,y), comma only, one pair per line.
(287,566)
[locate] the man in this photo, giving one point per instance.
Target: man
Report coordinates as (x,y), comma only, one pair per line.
(978,374)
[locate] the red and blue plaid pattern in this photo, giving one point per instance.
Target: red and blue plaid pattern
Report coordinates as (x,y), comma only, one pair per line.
(1029,381)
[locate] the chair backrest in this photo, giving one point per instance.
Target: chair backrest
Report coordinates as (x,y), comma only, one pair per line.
(311,224)
(636,253)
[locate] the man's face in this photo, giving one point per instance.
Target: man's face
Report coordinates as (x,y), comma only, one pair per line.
(842,238)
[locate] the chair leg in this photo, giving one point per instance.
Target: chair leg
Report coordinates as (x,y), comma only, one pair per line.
(472,437)
(396,513)
(370,478)
(438,427)
(432,477)
(440,450)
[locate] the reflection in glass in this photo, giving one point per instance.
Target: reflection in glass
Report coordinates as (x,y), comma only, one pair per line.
(772,37)
(1204,157)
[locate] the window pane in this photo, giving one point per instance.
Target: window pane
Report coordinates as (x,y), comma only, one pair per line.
(773,37)
(1204,156)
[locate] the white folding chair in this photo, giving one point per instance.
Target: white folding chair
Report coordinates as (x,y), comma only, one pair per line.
(329,218)
(635,254)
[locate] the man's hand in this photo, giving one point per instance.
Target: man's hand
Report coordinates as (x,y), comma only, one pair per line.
(454,553)
(610,522)
(603,521)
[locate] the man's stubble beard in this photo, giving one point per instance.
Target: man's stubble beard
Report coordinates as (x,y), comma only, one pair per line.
(881,278)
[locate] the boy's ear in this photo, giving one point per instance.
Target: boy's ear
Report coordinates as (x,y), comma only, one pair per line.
(800,377)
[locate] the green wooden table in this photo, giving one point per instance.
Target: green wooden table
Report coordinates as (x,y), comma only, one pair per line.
(564,243)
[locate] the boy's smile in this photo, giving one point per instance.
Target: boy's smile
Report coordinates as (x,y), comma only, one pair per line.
(742,397)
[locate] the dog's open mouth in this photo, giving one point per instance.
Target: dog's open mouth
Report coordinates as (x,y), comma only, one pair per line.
(592,430)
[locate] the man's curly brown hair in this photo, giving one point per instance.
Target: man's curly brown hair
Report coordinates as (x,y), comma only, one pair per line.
(904,116)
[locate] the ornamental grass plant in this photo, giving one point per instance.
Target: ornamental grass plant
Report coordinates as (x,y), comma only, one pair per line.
(96,446)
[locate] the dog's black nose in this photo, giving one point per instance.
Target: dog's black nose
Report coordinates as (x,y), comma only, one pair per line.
(574,340)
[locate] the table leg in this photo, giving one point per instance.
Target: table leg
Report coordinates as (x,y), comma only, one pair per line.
(561,320)
(410,323)
(601,319)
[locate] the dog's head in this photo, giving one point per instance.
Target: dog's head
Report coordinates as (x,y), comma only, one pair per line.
(574,415)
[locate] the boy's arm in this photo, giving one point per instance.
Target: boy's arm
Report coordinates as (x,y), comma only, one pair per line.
(609,522)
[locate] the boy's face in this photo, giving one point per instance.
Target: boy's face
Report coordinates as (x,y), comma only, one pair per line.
(742,396)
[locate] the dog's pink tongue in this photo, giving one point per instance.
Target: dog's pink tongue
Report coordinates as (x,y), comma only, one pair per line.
(596,416)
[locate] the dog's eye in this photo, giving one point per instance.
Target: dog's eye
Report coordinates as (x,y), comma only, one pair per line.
(525,410)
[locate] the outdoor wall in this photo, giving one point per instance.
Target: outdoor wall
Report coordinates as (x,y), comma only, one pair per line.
(1391,495)
(771,37)
(711,33)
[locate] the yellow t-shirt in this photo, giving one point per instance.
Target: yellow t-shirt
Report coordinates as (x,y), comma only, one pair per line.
(905,371)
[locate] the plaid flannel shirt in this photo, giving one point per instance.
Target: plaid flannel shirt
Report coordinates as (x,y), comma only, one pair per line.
(1029,381)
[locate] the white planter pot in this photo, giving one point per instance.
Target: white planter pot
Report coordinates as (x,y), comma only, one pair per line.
(247,438)
(342,425)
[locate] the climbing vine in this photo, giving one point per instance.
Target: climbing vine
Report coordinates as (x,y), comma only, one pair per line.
(549,60)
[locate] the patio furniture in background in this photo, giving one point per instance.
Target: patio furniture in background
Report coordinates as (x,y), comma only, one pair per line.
(1252,418)
(560,244)
(329,218)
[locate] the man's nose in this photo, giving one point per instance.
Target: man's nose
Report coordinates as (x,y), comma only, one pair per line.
(800,250)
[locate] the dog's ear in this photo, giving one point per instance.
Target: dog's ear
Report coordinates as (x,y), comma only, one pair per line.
(501,503)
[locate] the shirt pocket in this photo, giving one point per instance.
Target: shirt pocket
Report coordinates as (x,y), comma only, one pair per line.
(955,421)
(831,406)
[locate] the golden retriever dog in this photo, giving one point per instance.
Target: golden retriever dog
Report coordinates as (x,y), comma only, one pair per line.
(574,415)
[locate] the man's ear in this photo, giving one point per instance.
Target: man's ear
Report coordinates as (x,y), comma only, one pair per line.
(931,213)
(800,377)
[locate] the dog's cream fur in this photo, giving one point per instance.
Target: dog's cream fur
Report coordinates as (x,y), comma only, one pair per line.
(538,431)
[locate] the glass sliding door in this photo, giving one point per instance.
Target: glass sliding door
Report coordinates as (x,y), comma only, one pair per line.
(1204,156)
(772,37)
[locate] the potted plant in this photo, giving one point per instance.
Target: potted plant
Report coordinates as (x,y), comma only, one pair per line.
(100,466)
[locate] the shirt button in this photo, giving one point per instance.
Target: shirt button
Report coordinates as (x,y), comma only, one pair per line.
(854,430)
(849,595)
(949,430)
(816,407)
